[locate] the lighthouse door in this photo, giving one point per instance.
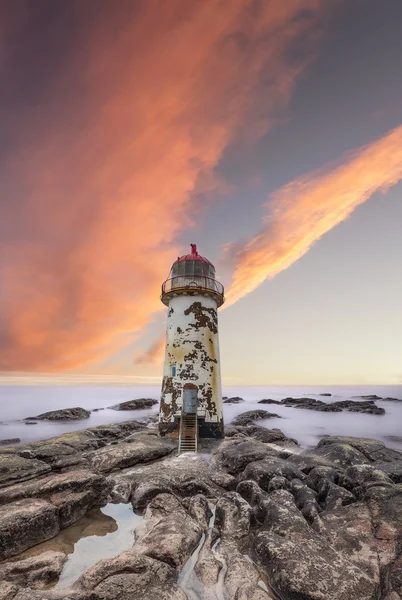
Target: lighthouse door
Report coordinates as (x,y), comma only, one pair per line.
(190,400)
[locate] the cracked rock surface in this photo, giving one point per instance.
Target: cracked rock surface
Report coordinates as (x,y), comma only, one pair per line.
(255,518)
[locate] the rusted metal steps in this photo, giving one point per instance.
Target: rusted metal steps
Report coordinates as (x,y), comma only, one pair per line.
(188,433)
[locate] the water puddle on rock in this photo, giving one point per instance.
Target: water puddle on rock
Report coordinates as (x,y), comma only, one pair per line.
(102,533)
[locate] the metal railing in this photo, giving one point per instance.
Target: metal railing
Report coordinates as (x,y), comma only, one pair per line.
(194,282)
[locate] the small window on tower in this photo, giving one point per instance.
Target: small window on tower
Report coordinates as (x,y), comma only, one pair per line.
(173,370)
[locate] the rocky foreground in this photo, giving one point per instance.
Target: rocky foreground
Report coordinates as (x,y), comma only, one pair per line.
(259,517)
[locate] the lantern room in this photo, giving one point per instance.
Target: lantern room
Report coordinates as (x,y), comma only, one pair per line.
(192,273)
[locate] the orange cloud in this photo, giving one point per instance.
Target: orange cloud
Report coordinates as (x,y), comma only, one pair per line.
(103,169)
(301,212)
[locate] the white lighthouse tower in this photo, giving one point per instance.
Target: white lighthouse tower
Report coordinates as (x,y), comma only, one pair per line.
(191,400)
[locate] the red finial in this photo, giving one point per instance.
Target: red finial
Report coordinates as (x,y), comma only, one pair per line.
(194,249)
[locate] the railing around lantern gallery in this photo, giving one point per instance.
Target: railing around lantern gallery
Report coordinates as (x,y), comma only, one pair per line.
(194,282)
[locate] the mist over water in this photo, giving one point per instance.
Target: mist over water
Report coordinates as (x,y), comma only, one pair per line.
(307,426)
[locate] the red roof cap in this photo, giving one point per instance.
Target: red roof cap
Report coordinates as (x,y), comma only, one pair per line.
(193,256)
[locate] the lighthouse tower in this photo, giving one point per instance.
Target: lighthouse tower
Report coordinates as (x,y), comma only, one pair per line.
(191,400)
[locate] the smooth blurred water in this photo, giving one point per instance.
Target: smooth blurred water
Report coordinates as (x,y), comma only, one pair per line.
(18,402)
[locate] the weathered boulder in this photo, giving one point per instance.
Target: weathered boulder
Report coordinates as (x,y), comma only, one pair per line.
(263,471)
(250,416)
(125,454)
(306,461)
(63,414)
(234,454)
(128,573)
(303,566)
(267,436)
(340,454)
(300,562)
(35,572)
(14,468)
(372,450)
(137,404)
(183,476)
(26,523)
(170,534)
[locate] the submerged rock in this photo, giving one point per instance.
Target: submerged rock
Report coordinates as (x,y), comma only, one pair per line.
(234,400)
(367,406)
(252,415)
(137,404)
(64,414)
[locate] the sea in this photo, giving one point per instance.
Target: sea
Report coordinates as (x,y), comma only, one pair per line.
(307,426)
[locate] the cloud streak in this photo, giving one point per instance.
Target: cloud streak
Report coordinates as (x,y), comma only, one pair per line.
(105,159)
(301,212)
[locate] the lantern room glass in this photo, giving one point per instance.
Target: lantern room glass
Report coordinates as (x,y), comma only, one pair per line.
(193,269)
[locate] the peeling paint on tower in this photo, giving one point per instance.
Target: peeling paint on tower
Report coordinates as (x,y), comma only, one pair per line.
(192,346)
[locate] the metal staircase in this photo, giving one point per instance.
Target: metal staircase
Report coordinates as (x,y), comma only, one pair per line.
(188,437)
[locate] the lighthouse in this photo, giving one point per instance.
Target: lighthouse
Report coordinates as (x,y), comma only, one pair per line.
(191,398)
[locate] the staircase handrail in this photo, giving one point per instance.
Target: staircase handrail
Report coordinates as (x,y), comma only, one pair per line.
(181,428)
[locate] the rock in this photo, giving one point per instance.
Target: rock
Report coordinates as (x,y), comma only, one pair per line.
(9,441)
(267,436)
(148,571)
(223,479)
(31,423)
(392,469)
(372,450)
(35,572)
(306,461)
(7,591)
(45,487)
(367,406)
(141,450)
(63,414)
(137,404)
(252,415)
(14,468)
(72,506)
(234,400)
(391,399)
(234,454)
(369,397)
(343,455)
(56,455)
(325,394)
(360,475)
(268,401)
(263,471)
(26,523)
(170,534)
(127,576)
(330,487)
(310,569)
(180,476)
(300,562)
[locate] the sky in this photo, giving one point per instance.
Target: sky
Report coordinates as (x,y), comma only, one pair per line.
(269,133)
